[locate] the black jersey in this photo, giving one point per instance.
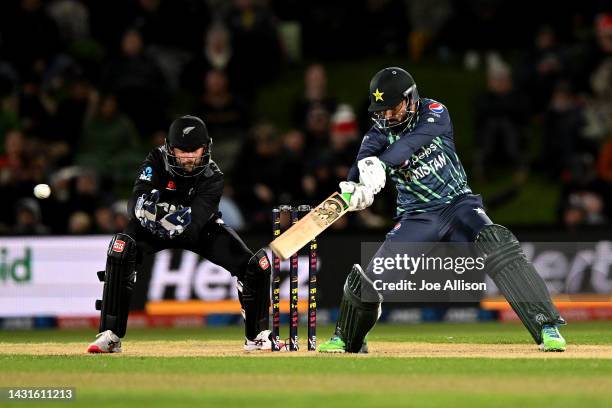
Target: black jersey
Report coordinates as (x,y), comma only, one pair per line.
(202,193)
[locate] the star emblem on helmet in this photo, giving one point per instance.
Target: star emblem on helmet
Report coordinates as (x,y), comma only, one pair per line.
(378,95)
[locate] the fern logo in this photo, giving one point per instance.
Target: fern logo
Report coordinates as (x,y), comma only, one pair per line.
(14,269)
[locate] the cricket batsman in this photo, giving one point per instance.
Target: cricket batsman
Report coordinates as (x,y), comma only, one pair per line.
(175,204)
(412,142)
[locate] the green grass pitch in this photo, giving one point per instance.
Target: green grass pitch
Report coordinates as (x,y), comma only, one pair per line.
(381,379)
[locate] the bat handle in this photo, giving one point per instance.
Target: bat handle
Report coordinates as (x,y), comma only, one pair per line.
(347,197)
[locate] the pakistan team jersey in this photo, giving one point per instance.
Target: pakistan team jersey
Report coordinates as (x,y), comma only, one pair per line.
(421,160)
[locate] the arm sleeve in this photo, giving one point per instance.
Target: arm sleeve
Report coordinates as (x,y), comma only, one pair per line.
(146,181)
(373,144)
(426,131)
(401,150)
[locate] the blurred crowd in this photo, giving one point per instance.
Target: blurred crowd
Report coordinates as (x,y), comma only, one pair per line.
(558,94)
(88,87)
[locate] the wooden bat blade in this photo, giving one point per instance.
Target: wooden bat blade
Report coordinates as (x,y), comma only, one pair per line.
(311,225)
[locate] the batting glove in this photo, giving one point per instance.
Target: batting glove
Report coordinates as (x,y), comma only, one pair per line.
(372,173)
(361,196)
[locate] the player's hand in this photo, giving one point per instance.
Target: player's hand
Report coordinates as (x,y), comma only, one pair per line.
(361,196)
(146,210)
(173,224)
(372,173)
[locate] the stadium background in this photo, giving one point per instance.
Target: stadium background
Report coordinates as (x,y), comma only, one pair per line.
(87,88)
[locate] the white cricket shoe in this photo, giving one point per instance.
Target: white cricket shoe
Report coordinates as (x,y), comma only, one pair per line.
(106,342)
(261,342)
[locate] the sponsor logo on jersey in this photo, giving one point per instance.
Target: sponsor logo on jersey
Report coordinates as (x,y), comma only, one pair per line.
(263,262)
(423,153)
(436,107)
(147,174)
(118,245)
(171,185)
(429,166)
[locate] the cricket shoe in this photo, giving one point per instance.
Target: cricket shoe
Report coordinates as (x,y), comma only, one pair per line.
(337,345)
(263,341)
(106,342)
(552,339)
(333,345)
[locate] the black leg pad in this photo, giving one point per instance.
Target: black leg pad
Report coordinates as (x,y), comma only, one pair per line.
(254,294)
(359,310)
(119,280)
(517,279)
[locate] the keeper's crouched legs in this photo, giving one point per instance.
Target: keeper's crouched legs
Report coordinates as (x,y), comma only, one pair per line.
(254,294)
(119,279)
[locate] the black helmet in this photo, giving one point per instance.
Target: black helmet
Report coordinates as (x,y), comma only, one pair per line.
(388,88)
(187,133)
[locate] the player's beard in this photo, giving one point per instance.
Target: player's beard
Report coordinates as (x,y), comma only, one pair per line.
(398,119)
(189,164)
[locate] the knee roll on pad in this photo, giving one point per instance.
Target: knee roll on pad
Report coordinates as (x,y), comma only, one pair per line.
(258,269)
(359,309)
(517,279)
(254,294)
(119,279)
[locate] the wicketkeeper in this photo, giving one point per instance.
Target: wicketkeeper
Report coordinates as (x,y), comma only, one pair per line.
(175,204)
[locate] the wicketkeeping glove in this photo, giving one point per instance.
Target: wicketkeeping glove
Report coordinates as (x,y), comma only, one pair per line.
(372,173)
(361,196)
(146,210)
(173,224)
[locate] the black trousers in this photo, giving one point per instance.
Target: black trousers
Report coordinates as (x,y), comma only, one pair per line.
(216,242)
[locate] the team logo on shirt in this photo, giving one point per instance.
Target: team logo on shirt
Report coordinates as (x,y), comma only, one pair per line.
(146,174)
(436,107)
(171,185)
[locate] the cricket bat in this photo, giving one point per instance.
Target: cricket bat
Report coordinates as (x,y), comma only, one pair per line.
(311,225)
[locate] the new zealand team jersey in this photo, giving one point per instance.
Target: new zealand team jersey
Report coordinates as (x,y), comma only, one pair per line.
(202,193)
(421,160)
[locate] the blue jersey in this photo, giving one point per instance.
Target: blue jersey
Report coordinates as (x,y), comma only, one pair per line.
(421,160)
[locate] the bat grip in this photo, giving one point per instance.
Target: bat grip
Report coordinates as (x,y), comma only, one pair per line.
(347,197)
